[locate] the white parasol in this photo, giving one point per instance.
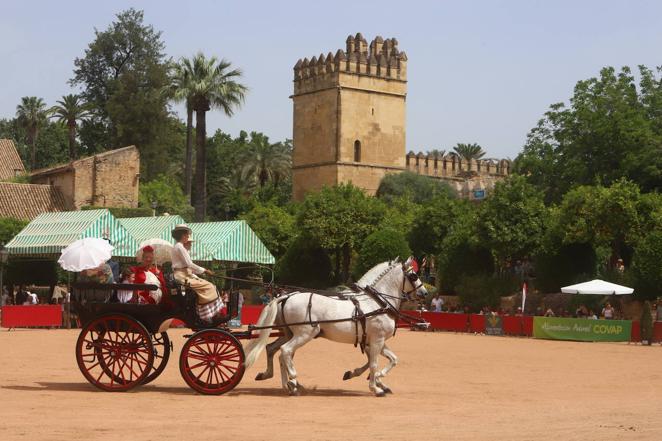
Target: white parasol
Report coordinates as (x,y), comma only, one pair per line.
(598,287)
(162,249)
(85,254)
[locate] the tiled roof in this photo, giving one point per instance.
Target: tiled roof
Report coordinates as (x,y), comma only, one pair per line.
(10,161)
(27,201)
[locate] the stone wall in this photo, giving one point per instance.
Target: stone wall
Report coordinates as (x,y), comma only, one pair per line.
(109,179)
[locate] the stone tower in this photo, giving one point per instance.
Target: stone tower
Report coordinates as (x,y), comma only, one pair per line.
(349,116)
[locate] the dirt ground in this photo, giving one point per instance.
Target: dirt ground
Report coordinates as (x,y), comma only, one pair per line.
(447,386)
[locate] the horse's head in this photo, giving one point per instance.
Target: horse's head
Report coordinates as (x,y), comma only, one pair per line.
(411,283)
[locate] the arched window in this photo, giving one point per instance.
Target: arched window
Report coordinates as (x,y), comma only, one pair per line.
(357,151)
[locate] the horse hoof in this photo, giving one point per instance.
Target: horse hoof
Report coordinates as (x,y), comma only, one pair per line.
(380,394)
(387,390)
(347,376)
(259,377)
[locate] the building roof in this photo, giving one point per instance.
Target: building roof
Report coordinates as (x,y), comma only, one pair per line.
(27,201)
(10,161)
(49,233)
(68,166)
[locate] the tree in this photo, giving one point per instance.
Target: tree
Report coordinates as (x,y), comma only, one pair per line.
(166,192)
(215,86)
(264,162)
(31,115)
(10,227)
(420,189)
(180,90)
(273,225)
(511,221)
(122,75)
(469,152)
(433,222)
(339,218)
(69,110)
(646,268)
(305,263)
(611,129)
(380,246)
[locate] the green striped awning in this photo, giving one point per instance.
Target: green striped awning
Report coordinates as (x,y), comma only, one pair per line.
(49,233)
(232,241)
(156,227)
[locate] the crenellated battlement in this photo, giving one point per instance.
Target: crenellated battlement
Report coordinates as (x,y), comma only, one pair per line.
(380,59)
(451,165)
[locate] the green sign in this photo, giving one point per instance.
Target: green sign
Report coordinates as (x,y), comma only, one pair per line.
(493,325)
(557,328)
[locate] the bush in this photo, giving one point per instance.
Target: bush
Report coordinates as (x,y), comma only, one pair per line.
(167,192)
(418,188)
(646,268)
(381,246)
(480,290)
(305,263)
(646,324)
(273,225)
(10,227)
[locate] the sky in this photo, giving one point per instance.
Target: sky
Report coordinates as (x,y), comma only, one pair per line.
(478,71)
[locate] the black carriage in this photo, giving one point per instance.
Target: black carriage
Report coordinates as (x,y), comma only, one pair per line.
(124,345)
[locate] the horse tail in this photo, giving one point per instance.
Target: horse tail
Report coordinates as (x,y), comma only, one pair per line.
(267,318)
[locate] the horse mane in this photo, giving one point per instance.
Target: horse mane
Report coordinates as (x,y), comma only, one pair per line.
(376,273)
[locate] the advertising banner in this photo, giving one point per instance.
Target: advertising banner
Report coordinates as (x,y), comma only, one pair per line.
(557,328)
(493,325)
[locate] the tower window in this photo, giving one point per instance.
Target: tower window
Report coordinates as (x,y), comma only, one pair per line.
(357,151)
(373,110)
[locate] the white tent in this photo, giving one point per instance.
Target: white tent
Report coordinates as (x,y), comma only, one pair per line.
(599,287)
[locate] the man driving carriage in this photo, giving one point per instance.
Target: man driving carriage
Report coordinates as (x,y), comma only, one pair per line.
(186,272)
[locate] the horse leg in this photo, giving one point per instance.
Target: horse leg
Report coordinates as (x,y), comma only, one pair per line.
(374,349)
(393,361)
(272,348)
(356,372)
(287,354)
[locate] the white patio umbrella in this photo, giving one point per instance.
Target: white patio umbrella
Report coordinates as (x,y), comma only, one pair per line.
(162,249)
(85,254)
(598,287)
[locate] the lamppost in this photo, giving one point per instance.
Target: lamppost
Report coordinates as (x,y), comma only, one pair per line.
(4,257)
(154,205)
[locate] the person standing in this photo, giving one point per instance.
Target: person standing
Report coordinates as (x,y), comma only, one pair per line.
(437,303)
(608,312)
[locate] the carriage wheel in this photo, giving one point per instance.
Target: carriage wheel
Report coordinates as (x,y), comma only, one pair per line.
(212,361)
(114,352)
(161,344)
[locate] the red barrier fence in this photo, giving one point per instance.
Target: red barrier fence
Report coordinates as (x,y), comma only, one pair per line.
(19,316)
(250,314)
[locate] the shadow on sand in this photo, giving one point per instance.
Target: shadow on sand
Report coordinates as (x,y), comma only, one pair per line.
(44,386)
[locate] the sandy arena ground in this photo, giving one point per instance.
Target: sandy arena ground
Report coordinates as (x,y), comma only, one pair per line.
(447,386)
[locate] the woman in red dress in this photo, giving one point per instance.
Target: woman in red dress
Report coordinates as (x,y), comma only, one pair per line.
(147,272)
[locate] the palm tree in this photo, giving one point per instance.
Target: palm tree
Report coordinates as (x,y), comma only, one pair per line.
(31,114)
(212,84)
(69,110)
(469,152)
(436,152)
(180,90)
(264,162)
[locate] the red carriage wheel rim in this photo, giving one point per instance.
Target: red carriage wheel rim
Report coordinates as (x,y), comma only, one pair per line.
(212,362)
(114,352)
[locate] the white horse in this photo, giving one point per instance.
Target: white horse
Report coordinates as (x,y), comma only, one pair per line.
(393,281)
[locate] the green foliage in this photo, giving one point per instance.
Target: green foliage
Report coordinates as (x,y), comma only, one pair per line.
(31,115)
(68,111)
(560,265)
(305,264)
(418,188)
(469,152)
(339,218)
(646,323)
(400,215)
(168,195)
(380,246)
(611,129)
(10,227)
(51,144)
(647,266)
(273,225)
(511,221)
(264,162)
(432,223)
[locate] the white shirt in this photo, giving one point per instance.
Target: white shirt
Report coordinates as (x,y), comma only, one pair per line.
(181,259)
(437,303)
